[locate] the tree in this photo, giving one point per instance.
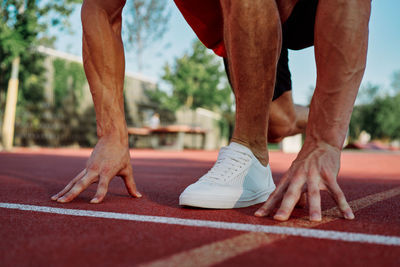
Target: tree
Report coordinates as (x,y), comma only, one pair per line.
(396,82)
(146,23)
(198,80)
(368,93)
(378,114)
(23,26)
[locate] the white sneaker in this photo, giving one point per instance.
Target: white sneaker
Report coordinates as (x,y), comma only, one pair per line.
(236,180)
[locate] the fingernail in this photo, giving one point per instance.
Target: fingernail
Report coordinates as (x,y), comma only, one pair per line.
(138,194)
(94,201)
(349,215)
(62,200)
(258,213)
(280,216)
(54,197)
(315,217)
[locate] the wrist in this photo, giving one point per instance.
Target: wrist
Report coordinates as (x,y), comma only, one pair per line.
(325,129)
(328,120)
(311,145)
(332,136)
(115,139)
(116,131)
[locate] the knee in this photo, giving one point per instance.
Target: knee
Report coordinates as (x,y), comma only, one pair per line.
(282,122)
(276,133)
(355,7)
(237,10)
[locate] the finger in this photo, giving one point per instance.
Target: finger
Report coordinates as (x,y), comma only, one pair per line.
(130,184)
(78,187)
(314,200)
(341,201)
(272,200)
(102,189)
(289,200)
(69,185)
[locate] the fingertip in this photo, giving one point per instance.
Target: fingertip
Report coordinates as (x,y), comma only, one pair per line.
(349,215)
(133,191)
(62,200)
(262,211)
(53,197)
(94,201)
(259,213)
(280,216)
(315,217)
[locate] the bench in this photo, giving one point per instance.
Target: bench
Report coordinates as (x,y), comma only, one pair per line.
(161,134)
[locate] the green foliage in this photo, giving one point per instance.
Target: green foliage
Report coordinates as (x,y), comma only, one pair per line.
(69,78)
(197,80)
(24,25)
(396,82)
(163,100)
(22,21)
(31,79)
(378,115)
(368,93)
(38,122)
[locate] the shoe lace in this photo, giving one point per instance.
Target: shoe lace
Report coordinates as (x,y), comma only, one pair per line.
(228,165)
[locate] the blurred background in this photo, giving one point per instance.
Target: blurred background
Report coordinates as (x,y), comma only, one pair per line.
(171,79)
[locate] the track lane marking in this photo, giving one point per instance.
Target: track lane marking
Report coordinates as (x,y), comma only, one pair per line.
(282,230)
(223,250)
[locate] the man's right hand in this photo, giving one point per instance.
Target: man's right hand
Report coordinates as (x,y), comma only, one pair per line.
(109,158)
(315,168)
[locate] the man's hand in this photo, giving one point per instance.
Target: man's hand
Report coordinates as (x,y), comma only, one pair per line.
(109,158)
(315,168)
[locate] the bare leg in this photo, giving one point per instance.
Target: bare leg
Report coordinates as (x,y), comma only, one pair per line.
(253,43)
(285,117)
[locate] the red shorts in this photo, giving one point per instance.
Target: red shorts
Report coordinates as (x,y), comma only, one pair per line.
(205,18)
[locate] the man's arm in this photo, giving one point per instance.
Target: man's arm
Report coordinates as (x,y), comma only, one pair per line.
(104,64)
(341,38)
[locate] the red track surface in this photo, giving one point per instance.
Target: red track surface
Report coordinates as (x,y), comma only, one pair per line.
(40,239)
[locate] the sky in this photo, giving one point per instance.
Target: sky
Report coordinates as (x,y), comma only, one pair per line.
(383,57)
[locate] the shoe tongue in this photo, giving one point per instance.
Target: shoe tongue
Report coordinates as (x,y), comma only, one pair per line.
(240,148)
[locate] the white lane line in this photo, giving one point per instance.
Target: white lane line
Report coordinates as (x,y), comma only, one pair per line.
(281,230)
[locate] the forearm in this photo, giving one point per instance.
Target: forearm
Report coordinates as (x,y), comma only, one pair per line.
(341,40)
(104,64)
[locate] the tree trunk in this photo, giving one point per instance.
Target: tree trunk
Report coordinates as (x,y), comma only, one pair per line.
(11,104)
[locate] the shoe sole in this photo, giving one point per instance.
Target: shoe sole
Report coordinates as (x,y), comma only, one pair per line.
(220,203)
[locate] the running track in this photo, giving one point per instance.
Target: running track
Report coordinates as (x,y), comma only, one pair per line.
(155,231)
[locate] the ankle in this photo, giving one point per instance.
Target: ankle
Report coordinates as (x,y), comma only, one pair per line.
(262,157)
(260,152)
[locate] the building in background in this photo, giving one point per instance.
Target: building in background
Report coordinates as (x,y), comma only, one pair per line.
(67,117)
